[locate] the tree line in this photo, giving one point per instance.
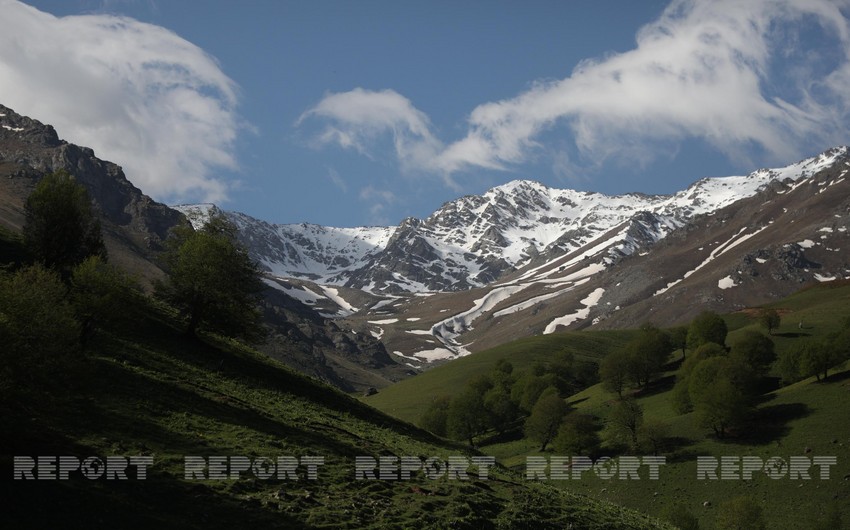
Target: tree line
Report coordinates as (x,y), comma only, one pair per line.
(719,383)
(58,290)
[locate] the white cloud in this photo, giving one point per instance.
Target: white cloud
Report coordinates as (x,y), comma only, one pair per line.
(357,119)
(714,70)
(136,93)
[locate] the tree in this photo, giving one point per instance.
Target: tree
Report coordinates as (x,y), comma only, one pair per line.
(647,353)
(577,435)
(38,332)
(717,390)
(652,435)
(679,338)
(528,389)
(740,513)
(467,417)
(501,410)
(213,281)
(817,357)
(754,350)
(789,366)
(60,228)
(681,397)
(435,417)
(706,327)
(769,319)
(100,294)
(625,421)
(614,372)
(545,419)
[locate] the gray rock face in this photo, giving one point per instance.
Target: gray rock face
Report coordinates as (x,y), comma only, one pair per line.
(30,149)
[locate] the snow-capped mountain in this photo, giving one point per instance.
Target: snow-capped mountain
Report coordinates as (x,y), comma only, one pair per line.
(476,240)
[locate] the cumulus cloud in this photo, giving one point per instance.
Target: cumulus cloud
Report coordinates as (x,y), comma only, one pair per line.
(136,93)
(726,72)
(357,119)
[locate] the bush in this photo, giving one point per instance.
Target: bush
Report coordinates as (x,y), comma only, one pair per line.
(38,331)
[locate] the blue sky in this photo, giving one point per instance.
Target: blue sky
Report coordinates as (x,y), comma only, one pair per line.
(351,113)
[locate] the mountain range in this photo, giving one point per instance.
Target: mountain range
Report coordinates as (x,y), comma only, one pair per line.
(363,307)
(525,259)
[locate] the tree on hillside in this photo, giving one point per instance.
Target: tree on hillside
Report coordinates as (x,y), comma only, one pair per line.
(545,419)
(706,327)
(717,389)
(60,228)
(577,435)
(467,417)
(817,357)
(680,396)
(647,353)
(528,389)
(679,338)
(624,423)
(614,372)
(100,294)
(38,332)
(769,319)
(754,350)
(213,281)
(435,417)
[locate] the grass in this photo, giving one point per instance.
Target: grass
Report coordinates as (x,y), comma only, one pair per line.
(804,419)
(407,399)
(145,389)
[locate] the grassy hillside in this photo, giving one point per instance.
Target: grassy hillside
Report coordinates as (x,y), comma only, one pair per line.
(804,419)
(145,389)
(408,399)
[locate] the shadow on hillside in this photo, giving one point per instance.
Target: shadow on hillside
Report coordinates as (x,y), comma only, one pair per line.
(770,423)
(837,377)
(658,386)
(792,335)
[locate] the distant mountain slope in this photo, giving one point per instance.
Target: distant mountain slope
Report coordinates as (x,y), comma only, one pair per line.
(525,259)
(475,240)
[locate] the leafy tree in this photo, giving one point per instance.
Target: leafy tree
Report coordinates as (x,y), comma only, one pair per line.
(614,371)
(706,327)
(38,332)
(816,358)
(529,388)
(680,396)
(789,366)
(740,513)
(754,350)
(545,419)
(769,319)
(435,417)
(100,294)
(501,409)
(60,228)
(647,353)
(624,422)
(717,391)
(577,435)
(467,417)
(213,281)
(679,338)
(652,435)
